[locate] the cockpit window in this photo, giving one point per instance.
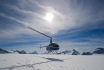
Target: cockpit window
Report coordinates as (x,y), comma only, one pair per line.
(54,45)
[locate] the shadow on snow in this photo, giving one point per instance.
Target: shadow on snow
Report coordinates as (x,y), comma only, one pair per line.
(31,65)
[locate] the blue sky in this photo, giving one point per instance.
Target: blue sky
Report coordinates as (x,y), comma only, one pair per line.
(77,24)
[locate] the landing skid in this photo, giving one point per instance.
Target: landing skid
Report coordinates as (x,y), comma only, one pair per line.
(49,52)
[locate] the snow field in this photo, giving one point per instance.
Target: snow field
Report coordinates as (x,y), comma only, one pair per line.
(51,62)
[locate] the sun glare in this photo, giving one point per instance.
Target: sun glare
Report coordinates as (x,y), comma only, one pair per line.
(49,17)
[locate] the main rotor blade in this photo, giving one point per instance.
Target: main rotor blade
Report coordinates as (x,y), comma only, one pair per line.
(41,33)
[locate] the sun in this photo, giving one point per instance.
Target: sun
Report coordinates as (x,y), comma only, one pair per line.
(49,17)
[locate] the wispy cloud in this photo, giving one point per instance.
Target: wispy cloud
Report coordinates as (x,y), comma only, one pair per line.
(12,18)
(71,18)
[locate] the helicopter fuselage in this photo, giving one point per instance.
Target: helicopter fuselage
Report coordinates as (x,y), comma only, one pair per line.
(52,47)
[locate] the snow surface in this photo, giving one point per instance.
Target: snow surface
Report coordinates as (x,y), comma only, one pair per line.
(51,62)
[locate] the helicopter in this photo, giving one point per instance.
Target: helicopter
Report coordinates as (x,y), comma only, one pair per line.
(52,47)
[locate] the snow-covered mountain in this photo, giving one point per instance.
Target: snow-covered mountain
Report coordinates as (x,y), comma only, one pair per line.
(33,52)
(21,52)
(99,51)
(86,53)
(75,52)
(3,51)
(67,52)
(12,52)
(71,52)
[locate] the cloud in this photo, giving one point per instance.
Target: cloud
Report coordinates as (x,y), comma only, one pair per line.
(78,16)
(12,18)
(71,19)
(65,19)
(49,9)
